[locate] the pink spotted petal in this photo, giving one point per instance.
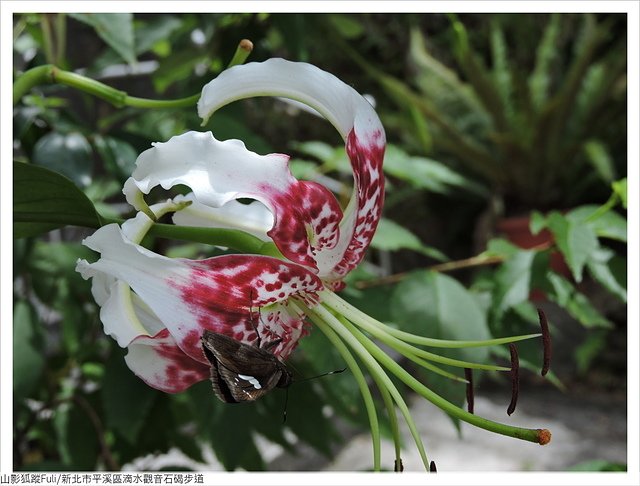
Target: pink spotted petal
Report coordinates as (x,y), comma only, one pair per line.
(352,116)
(220,172)
(221,294)
(161,364)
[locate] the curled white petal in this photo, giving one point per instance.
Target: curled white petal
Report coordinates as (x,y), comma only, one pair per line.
(253,218)
(353,117)
(338,102)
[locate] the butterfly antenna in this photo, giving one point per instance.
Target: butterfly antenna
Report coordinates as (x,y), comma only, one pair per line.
(286,401)
(334,372)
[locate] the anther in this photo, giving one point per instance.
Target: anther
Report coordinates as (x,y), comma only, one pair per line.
(546,343)
(432,467)
(515,379)
(468,374)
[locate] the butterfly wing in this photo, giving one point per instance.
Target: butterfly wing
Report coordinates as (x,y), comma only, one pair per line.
(240,372)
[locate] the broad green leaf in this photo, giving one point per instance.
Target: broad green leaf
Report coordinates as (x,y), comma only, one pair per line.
(513,281)
(598,265)
(426,173)
(565,295)
(607,225)
(66,153)
(178,66)
(44,200)
(232,438)
(77,439)
(575,240)
(390,236)
(158,29)
(28,352)
(118,156)
(126,399)
(436,305)
(116,29)
(537,223)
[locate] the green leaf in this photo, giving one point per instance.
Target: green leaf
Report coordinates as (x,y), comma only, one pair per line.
(620,188)
(426,173)
(28,354)
(598,265)
(118,156)
(76,437)
(607,225)
(576,241)
(513,281)
(589,350)
(500,247)
(537,222)
(390,236)
(116,29)
(435,305)
(67,153)
(44,200)
(346,25)
(575,303)
(126,399)
(599,157)
(546,54)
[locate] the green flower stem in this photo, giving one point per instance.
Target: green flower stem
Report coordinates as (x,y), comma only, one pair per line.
(243,50)
(391,413)
(48,74)
(236,239)
(540,436)
(327,319)
(393,421)
(401,346)
(356,316)
(362,384)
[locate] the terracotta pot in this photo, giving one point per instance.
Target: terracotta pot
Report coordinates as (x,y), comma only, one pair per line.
(516,230)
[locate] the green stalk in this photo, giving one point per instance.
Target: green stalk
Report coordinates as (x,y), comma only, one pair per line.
(391,413)
(362,384)
(49,74)
(359,318)
(245,46)
(374,368)
(540,436)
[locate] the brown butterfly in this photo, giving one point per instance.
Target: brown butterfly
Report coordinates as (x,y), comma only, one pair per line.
(241,372)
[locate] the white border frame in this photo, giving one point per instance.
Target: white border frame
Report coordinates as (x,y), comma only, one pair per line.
(631,7)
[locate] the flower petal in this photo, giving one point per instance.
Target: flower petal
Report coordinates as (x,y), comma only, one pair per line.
(253,218)
(354,118)
(219,172)
(220,293)
(160,363)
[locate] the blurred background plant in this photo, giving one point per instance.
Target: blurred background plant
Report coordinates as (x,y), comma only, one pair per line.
(487,116)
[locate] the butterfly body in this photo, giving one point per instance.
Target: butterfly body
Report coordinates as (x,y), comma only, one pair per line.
(241,372)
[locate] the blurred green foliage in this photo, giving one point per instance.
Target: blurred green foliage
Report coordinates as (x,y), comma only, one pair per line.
(485,115)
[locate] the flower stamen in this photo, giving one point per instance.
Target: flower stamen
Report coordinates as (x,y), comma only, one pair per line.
(515,378)
(468,374)
(546,342)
